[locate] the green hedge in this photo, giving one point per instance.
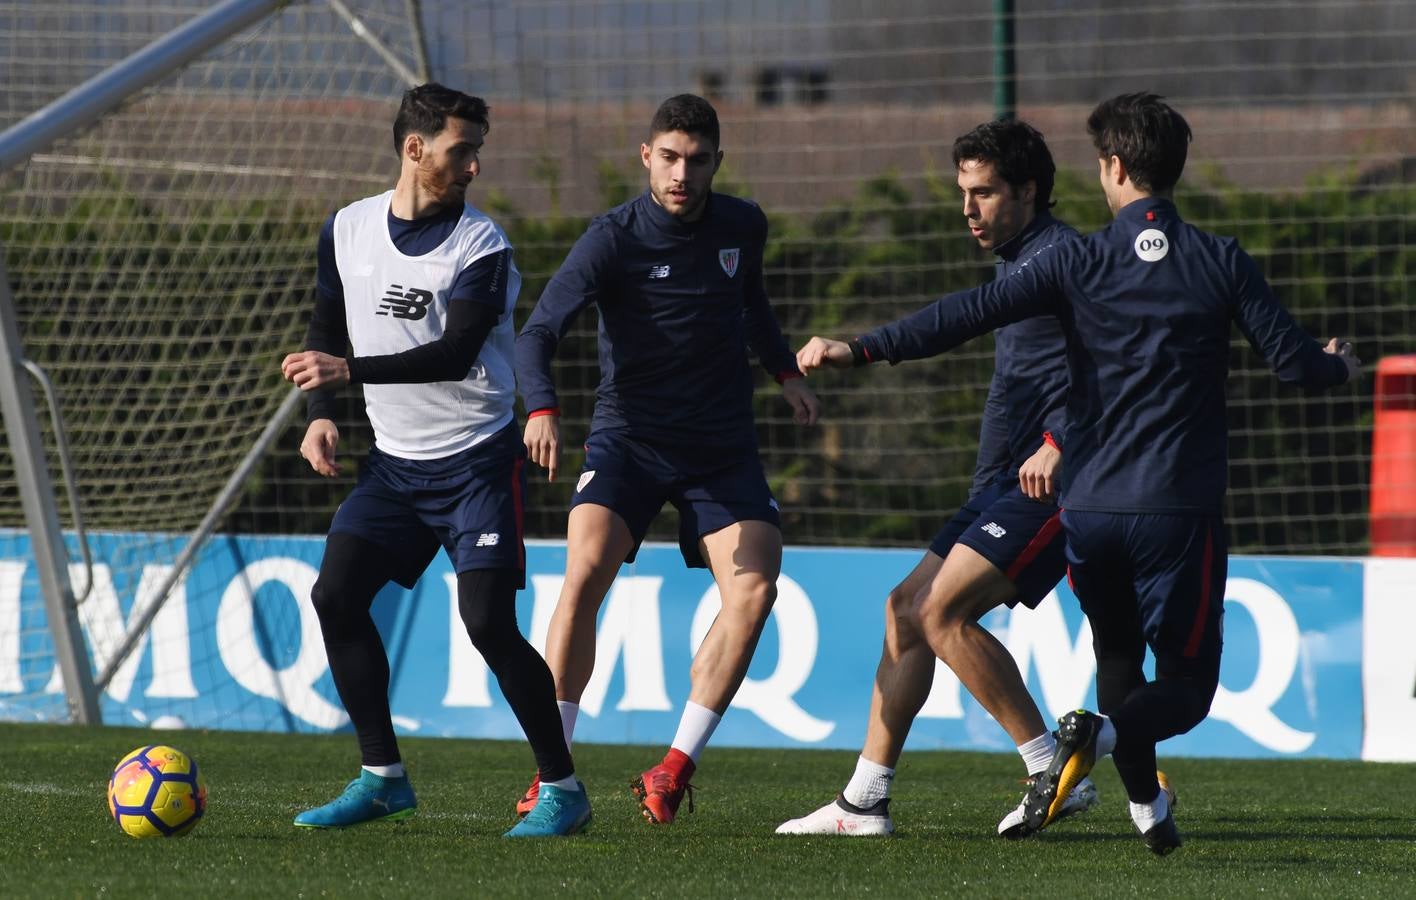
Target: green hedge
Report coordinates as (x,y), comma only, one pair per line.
(889,464)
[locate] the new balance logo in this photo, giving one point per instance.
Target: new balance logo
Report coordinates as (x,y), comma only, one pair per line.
(401,303)
(994,529)
(658,271)
(491,539)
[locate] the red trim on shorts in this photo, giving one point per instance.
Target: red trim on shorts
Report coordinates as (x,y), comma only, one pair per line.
(1044,536)
(1197,630)
(518,504)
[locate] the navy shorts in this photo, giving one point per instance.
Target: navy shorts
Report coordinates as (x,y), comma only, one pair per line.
(1161,575)
(470,504)
(711,488)
(1021,537)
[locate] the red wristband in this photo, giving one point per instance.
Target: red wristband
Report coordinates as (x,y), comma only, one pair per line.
(548,411)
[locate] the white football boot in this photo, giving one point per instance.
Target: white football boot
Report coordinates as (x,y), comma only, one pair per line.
(840,817)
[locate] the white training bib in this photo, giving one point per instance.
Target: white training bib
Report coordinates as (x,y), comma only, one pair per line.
(394,302)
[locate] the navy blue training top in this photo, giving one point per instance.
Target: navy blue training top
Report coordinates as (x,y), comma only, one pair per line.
(1146,304)
(680,304)
(1028,393)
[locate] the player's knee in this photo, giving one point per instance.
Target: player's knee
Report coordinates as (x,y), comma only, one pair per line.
(324,598)
(352,572)
(754,596)
(901,618)
(335,596)
(899,605)
(1118,667)
(477,619)
(1196,680)
(1116,677)
(486,600)
(943,614)
(585,585)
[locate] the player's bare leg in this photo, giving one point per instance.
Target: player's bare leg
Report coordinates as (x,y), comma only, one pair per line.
(903,679)
(597,541)
(745,559)
(905,672)
(965,589)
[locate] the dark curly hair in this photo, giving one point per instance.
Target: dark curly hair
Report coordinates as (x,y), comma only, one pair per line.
(1017,153)
(426,108)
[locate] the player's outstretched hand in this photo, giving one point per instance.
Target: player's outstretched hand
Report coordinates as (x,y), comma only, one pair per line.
(318,447)
(542,439)
(1038,476)
(311,369)
(1343,350)
(806,408)
(820,351)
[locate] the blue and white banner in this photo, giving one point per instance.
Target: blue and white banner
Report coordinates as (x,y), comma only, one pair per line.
(238,646)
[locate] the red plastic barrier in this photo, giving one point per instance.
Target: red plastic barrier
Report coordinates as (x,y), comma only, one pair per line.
(1393,502)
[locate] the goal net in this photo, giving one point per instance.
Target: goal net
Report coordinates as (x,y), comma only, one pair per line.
(162,262)
(163,259)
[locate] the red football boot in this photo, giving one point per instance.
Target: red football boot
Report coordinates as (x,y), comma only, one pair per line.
(661,789)
(528,800)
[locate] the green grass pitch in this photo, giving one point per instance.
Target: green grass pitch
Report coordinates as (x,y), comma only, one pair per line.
(1251,827)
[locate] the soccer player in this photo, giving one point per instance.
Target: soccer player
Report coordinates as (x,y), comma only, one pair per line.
(1002,547)
(676,275)
(1146,304)
(422,286)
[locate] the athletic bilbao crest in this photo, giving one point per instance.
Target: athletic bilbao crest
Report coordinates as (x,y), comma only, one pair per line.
(728,259)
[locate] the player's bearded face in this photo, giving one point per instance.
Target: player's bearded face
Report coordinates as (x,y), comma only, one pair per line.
(996,211)
(681,169)
(450,161)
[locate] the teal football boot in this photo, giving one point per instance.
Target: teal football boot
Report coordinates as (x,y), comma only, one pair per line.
(368,798)
(557,813)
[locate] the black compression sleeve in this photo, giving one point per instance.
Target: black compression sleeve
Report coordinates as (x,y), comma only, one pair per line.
(449,358)
(327,333)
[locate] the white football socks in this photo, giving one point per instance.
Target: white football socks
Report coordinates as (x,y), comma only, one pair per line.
(695,728)
(869,785)
(1038,752)
(568,783)
(569,711)
(1148,815)
(394,770)
(1106,738)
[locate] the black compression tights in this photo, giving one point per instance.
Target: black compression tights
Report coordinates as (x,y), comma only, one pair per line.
(351,574)
(1147,712)
(487,600)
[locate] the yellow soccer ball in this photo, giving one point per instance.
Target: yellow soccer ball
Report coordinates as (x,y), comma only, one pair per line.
(156,791)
